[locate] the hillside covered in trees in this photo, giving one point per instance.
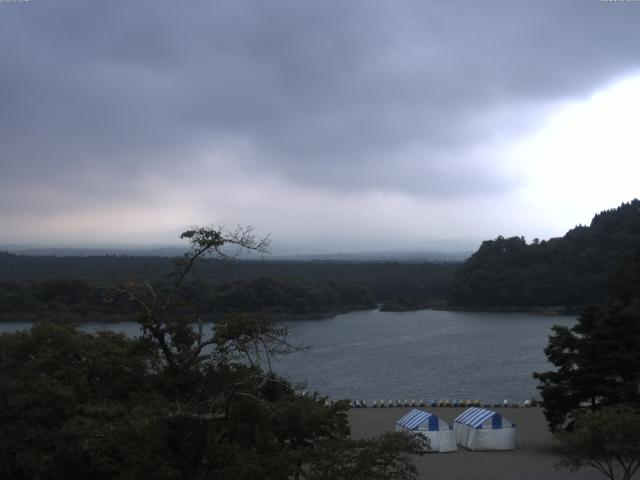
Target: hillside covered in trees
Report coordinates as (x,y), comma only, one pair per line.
(37,285)
(564,273)
(272,296)
(570,272)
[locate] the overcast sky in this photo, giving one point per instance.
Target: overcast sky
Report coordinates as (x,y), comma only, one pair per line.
(333,125)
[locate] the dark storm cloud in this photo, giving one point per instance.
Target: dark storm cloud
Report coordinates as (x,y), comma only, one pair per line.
(364,95)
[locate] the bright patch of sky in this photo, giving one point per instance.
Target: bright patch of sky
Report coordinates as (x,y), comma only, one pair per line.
(583,158)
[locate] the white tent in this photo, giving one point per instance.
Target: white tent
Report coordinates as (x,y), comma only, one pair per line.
(480,429)
(437,433)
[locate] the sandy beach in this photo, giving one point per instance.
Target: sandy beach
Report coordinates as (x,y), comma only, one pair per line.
(534,458)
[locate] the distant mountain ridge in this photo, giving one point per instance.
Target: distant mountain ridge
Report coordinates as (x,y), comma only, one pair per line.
(374,256)
(94,251)
(572,271)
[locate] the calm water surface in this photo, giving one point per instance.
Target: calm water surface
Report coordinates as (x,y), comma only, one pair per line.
(425,354)
(422,355)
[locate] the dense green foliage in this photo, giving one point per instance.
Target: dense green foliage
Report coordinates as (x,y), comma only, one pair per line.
(78,406)
(57,297)
(45,284)
(598,360)
(177,402)
(366,459)
(273,295)
(572,271)
(417,300)
(265,295)
(607,440)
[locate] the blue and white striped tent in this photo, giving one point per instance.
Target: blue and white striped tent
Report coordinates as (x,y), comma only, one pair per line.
(438,433)
(481,429)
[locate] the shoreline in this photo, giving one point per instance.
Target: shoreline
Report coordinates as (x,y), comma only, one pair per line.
(534,459)
(108,318)
(548,311)
(36,317)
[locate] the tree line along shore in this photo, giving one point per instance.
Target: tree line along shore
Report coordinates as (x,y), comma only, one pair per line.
(556,276)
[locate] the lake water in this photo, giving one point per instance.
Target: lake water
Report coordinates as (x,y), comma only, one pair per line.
(423,355)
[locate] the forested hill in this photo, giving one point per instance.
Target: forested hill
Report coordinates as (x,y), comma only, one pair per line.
(571,271)
(36,285)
